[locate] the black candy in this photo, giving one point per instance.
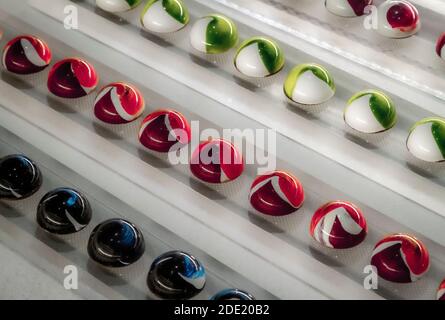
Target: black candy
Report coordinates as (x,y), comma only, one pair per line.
(232,294)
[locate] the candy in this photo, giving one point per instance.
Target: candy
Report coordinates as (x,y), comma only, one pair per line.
(440,47)
(370,111)
(347,8)
(119,103)
(441,291)
(232,294)
(276,194)
(216,161)
(397,19)
(426,140)
(116,6)
(400,258)
(26,55)
(164,16)
(165,131)
(309,84)
(338,225)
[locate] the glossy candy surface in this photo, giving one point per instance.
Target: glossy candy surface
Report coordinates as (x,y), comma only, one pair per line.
(116,6)
(19,177)
(441,291)
(440,46)
(232,294)
(164,131)
(116,243)
(370,111)
(338,225)
(426,140)
(164,16)
(119,103)
(259,57)
(63,211)
(276,194)
(72,78)
(309,84)
(176,275)
(26,55)
(400,258)
(214,34)
(216,161)
(347,8)
(398,19)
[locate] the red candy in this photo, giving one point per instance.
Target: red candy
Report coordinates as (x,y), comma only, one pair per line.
(400,258)
(26,55)
(339,225)
(441,291)
(359,6)
(119,103)
(72,78)
(164,131)
(440,47)
(216,161)
(276,194)
(403,16)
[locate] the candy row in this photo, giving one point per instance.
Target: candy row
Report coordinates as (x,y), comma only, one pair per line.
(114,243)
(368,112)
(398,258)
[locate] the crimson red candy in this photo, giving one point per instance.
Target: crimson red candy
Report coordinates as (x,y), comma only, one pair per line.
(216,161)
(441,291)
(164,131)
(338,225)
(26,55)
(400,258)
(440,47)
(119,103)
(72,78)
(276,194)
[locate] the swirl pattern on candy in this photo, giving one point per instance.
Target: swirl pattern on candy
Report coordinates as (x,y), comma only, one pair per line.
(232,294)
(370,111)
(347,8)
(214,34)
(164,131)
(441,291)
(164,16)
(426,140)
(309,84)
(20,177)
(400,258)
(116,6)
(216,161)
(72,78)
(440,47)
(259,57)
(276,194)
(119,103)
(26,55)
(398,19)
(63,211)
(338,225)
(116,243)
(176,275)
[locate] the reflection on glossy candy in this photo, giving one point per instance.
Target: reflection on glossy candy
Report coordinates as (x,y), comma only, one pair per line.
(72,78)
(338,225)
(398,19)
(164,16)
(119,103)
(440,47)
(370,111)
(176,275)
(19,177)
(26,55)
(63,211)
(116,6)
(216,161)
(232,294)
(426,140)
(441,291)
(276,194)
(259,57)
(309,84)
(347,8)
(214,34)
(400,258)
(116,243)
(164,131)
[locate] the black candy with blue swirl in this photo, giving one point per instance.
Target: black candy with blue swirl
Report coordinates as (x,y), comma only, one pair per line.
(19,177)
(63,211)
(176,275)
(116,243)
(232,294)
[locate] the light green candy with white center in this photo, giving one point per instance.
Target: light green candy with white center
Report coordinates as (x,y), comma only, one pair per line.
(116,6)
(426,140)
(164,16)
(309,84)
